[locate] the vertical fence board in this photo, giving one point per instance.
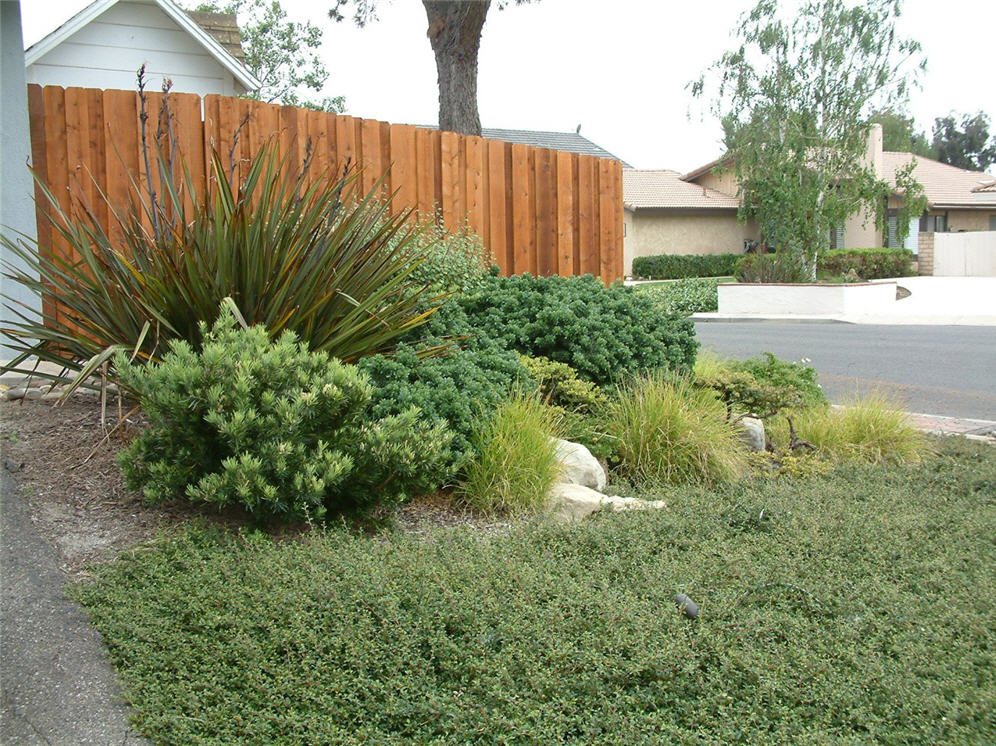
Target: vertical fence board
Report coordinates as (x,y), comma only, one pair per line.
(499,234)
(546,212)
(523,210)
(588,215)
(607,207)
(190,142)
(477,198)
(565,213)
(318,143)
(453,174)
(374,162)
(404,179)
(39,162)
(426,168)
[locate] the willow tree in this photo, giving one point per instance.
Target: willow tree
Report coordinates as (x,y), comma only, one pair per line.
(795,98)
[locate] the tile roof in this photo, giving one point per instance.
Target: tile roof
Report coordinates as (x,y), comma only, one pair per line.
(224,28)
(572,142)
(663,189)
(945,186)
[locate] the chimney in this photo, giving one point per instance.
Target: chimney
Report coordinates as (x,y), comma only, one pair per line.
(873,153)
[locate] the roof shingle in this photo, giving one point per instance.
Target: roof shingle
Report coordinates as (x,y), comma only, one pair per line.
(663,189)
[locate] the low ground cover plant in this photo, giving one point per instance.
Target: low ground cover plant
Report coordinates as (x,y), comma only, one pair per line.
(829,612)
(677,266)
(273,427)
(684,297)
(866,264)
(605,334)
(666,432)
(516,463)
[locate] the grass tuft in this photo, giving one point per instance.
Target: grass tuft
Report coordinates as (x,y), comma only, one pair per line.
(668,432)
(517,463)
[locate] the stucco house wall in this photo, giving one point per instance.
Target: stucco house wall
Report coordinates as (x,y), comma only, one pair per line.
(649,233)
(970,220)
(107,52)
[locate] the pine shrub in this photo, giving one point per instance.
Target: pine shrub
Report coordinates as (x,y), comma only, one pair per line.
(273,427)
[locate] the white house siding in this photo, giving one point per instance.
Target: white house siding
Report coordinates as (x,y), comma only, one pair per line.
(107,52)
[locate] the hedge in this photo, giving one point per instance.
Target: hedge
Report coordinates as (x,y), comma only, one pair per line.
(868,264)
(678,266)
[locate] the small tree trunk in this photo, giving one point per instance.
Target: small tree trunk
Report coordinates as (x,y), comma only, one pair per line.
(455,34)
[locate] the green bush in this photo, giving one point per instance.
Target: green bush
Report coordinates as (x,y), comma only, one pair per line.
(293,257)
(272,427)
(677,266)
(459,390)
(450,262)
(605,334)
(868,264)
(667,432)
(516,465)
(683,297)
(760,387)
(782,266)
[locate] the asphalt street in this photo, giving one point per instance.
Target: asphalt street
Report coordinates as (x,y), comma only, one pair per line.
(943,370)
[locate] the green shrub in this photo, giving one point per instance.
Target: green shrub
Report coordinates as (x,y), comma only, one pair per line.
(677,266)
(796,379)
(450,261)
(516,465)
(870,429)
(868,264)
(293,257)
(459,390)
(760,387)
(782,266)
(667,432)
(272,427)
(683,297)
(603,333)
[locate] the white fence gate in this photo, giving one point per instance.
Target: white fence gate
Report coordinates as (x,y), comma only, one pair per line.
(971,254)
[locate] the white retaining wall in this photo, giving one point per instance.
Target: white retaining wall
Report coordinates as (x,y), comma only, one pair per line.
(970,254)
(806,300)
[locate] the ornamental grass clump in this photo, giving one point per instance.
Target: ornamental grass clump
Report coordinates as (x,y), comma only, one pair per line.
(516,465)
(296,251)
(869,429)
(271,426)
(668,432)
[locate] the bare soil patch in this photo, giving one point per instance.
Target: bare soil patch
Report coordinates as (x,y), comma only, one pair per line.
(64,463)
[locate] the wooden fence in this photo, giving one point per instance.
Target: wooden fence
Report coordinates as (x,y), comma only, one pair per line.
(540,211)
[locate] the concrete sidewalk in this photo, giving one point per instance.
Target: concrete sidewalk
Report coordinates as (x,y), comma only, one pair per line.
(932,301)
(58,687)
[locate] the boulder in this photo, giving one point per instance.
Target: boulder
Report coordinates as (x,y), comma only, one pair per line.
(578,466)
(572,502)
(752,433)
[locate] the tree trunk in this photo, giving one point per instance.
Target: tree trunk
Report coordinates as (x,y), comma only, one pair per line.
(455,34)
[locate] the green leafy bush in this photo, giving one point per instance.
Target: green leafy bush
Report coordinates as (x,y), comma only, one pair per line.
(683,297)
(293,257)
(796,379)
(458,389)
(868,264)
(271,426)
(668,432)
(782,266)
(516,465)
(677,266)
(605,334)
(450,261)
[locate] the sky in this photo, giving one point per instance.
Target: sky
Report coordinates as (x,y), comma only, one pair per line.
(619,68)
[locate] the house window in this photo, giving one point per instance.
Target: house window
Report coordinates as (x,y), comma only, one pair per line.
(837,238)
(891,237)
(934,224)
(992,222)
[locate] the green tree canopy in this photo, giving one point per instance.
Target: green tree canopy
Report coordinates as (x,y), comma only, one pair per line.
(899,134)
(965,145)
(281,54)
(795,97)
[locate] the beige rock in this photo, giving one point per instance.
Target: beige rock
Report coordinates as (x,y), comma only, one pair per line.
(578,466)
(572,502)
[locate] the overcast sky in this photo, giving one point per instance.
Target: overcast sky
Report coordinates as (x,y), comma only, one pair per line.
(619,68)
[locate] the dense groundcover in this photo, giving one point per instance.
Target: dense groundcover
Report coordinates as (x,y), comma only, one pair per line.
(859,608)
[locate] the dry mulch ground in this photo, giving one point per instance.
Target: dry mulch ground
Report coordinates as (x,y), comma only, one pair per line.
(64,463)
